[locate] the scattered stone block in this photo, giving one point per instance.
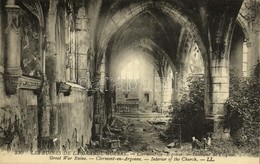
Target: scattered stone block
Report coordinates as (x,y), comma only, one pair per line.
(171,145)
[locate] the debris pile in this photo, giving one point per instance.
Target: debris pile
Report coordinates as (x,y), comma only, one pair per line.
(127,134)
(137,135)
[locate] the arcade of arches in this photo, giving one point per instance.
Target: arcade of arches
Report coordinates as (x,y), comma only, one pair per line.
(66,67)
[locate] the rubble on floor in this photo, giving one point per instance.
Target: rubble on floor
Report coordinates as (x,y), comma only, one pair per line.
(137,135)
(127,134)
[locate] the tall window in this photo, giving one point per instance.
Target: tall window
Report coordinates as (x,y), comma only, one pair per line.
(131,70)
(70,39)
(245,55)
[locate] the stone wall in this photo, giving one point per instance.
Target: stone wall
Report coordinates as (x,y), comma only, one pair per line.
(18,112)
(18,121)
(75,117)
(31,118)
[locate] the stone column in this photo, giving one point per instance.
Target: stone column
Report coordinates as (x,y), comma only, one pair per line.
(100,114)
(2,91)
(1,41)
(154,83)
(218,92)
(167,93)
(216,95)
(97,121)
(13,50)
(47,97)
(162,94)
(216,33)
(176,84)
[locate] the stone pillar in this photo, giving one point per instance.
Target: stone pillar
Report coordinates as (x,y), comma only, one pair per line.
(1,42)
(2,91)
(218,92)
(216,95)
(166,93)
(154,83)
(47,97)
(13,50)
(176,84)
(97,121)
(162,94)
(98,82)
(52,57)
(103,75)
(216,33)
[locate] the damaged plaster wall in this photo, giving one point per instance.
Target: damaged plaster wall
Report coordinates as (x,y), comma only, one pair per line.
(18,124)
(67,117)
(75,112)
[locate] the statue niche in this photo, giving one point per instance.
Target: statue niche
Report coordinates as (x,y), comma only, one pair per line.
(31,57)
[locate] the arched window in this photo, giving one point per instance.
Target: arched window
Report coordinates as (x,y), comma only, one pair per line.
(131,70)
(245,56)
(239,53)
(70,39)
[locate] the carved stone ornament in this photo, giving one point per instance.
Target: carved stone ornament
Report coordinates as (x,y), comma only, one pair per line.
(13,12)
(15,82)
(63,88)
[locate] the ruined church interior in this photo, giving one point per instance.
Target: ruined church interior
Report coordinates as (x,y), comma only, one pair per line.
(93,74)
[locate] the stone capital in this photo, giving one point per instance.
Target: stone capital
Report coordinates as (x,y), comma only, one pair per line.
(12,9)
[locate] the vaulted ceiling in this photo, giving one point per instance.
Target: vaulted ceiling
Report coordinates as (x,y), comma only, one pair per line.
(210,19)
(153,25)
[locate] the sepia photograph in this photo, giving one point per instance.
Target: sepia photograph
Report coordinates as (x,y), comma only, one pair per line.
(129,81)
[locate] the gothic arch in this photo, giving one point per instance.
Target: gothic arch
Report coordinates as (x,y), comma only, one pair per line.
(128,13)
(243,25)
